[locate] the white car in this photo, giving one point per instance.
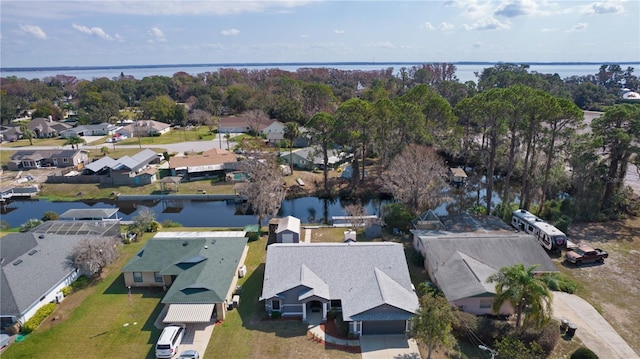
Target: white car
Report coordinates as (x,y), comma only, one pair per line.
(170,339)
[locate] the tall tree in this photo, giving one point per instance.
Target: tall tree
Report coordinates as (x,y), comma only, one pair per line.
(433,323)
(415,178)
(619,131)
(264,190)
(323,127)
(291,132)
(353,118)
(317,98)
(527,294)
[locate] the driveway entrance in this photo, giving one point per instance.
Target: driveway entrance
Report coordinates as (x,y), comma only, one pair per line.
(388,347)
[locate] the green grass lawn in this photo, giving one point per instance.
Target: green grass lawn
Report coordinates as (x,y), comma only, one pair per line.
(103,325)
(173,136)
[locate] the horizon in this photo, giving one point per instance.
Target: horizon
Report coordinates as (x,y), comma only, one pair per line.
(297,63)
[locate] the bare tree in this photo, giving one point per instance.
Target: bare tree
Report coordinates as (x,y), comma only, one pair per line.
(416,178)
(254,118)
(91,255)
(356,212)
(264,190)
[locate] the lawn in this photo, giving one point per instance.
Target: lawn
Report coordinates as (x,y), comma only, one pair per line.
(98,321)
(173,136)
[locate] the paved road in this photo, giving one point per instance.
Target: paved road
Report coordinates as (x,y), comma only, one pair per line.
(594,331)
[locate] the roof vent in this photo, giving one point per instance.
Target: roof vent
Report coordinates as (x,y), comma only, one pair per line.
(33,252)
(213,241)
(206,247)
(41,236)
(17,262)
(185,243)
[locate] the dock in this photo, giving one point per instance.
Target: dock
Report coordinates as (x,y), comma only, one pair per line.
(19,192)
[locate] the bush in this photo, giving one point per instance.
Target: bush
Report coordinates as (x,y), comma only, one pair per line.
(464,323)
(510,347)
(396,215)
(546,339)
(490,329)
(66,290)
(167,223)
(558,282)
(81,282)
(341,325)
(30,224)
(276,315)
(50,216)
(38,318)
(583,353)
(416,258)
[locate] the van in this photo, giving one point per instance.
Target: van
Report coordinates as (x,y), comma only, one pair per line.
(170,339)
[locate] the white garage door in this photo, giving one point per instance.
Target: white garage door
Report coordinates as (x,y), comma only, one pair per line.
(287,237)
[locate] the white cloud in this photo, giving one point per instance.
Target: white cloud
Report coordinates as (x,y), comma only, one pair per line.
(337,31)
(94,31)
(578,27)
(34,31)
(304,36)
(446,26)
(516,8)
(489,23)
(605,7)
(554,29)
(230,32)
(428,26)
(157,34)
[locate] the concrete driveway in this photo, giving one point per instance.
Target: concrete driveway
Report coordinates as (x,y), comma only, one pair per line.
(388,347)
(196,338)
(592,328)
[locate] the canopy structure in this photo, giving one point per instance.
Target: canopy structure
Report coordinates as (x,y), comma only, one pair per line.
(189,313)
(166,182)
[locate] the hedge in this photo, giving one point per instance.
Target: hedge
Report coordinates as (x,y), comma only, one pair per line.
(38,318)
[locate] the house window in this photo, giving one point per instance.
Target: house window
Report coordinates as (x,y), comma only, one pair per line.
(137,277)
(275,304)
(158,277)
(485,303)
(65,160)
(336,303)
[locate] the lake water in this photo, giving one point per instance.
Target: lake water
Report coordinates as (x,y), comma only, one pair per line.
(465,71)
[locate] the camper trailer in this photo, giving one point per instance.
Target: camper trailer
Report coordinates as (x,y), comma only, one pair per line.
(523,220)
(550,237)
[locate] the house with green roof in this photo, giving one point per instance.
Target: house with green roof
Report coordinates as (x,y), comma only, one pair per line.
(199,271)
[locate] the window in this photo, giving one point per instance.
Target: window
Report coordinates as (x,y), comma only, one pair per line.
(485,303)
(336,303)
(137,277)
(158,277)
(65,160)
(275,304)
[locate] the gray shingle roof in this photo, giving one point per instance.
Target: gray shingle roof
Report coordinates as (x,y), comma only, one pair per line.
(288,223)
(462,262)
(25,283)
(364,276)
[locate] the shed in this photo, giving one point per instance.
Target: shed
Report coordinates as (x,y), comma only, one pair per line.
(457,176)
(288,230)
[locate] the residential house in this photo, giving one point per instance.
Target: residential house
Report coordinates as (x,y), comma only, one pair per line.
(29,159)
(144,128)
(102,129)
(242,124)
(126,170)
(199,271)
(35,265)
(368,282)
(275,134)
(460,263)
(308,158)
(288,230)
(210,163)
(46,127)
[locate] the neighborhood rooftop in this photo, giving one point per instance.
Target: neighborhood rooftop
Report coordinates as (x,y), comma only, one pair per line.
(89,213)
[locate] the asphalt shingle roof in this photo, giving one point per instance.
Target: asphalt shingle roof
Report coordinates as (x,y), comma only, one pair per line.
(205,267)
(364,276)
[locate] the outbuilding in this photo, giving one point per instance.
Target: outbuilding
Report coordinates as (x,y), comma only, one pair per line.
(288,230)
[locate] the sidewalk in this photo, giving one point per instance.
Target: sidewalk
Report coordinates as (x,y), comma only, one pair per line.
(593,329)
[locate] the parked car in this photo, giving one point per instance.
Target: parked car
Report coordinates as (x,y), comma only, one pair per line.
(585,254)
(189,354)
(170,339)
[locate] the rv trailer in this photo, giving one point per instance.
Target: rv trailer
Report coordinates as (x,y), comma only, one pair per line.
(523,220)
(550,237)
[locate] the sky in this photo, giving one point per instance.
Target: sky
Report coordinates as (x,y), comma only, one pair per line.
(144,32)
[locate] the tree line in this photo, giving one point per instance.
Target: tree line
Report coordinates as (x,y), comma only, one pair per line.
(516,126)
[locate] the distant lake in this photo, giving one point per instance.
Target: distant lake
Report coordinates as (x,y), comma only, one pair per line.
(465,71)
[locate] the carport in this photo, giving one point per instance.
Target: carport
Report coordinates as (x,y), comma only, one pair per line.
(189,313)
(383,327)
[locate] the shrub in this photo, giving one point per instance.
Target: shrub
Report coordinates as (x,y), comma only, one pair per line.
(396,215)
(50,216)
(38,318)
(546,339)
(341,325)
(558,282)
(167,223)
(66,290)
(513,348)
(81,282)
(490,329)
(276,315)
(583,353)
(30,224)
(464,323)
(416,258)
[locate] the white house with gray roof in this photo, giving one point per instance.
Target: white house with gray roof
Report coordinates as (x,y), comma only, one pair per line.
(368,282)
(460,263)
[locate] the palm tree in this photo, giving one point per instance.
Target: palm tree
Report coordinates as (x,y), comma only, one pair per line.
(528,295)
(291,132)
(28,133)
(74,141)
